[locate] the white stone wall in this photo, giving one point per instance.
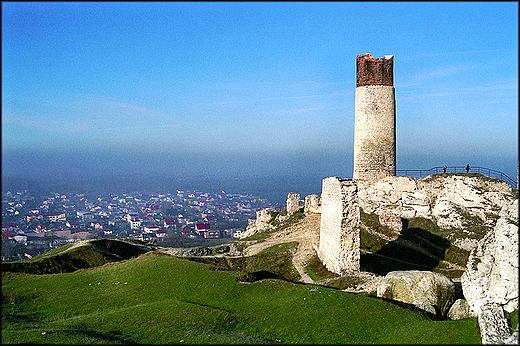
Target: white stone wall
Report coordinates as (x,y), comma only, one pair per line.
(374,136)
(312,204)
(292,203)
(339,243)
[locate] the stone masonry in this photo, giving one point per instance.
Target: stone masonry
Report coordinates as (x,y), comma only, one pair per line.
(374,134)
(292,203)
(312,204)
(339,242)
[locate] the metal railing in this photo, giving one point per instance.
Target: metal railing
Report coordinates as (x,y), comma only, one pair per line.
(421,173)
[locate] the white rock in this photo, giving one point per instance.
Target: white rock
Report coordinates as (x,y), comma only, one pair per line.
(447,213)
(292,203)
(415,198)
(419,288)
(461,195)
(312,204)
(260,224)
(493,324)
(456,198)
(459,310)
(491,275)
(467,244)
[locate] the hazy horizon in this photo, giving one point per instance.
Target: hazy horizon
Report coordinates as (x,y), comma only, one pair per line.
(261,175)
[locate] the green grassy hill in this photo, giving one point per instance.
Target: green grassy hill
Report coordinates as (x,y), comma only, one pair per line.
(161,299)
(69,258)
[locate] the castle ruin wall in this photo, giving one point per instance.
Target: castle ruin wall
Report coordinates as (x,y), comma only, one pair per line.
(312,204)
(292,203)
(339,244)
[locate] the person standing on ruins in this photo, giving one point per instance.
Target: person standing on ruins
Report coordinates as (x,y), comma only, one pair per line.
(467,168)
(444,168)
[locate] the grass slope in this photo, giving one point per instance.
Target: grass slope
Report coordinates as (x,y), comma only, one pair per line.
(161,299)
(275,262)
(68,259)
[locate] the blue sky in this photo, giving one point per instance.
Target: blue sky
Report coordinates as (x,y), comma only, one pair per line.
(250,88)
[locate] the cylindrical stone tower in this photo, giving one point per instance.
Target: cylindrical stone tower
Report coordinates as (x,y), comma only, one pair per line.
(374,131)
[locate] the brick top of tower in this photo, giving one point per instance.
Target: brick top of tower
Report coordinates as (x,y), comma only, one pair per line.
(374,71)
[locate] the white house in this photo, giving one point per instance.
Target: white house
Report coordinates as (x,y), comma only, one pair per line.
(135,223)
(150,228)
(21,238)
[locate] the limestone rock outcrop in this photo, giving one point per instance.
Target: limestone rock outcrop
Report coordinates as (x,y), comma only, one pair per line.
(459,310)
(260,224)
(493,324)
(463,198)
(386,196)
(490,282)
(423,289)
(471,203)
(513,339)
(492,268)
(465,243)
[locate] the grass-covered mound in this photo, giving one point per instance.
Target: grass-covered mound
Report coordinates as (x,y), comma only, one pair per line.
(161,299)
(274,262)
(69,258)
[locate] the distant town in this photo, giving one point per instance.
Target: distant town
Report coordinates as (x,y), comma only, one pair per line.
(33,224)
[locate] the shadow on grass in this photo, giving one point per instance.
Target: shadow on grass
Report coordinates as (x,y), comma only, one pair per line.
(435,317)
(14,308)
(414,249)
(257,276)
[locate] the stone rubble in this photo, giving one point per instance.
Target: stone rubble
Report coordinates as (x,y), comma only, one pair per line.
(459,310)
(490,282)
(260,224)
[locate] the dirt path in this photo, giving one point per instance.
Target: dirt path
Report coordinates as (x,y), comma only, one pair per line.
(306,233)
